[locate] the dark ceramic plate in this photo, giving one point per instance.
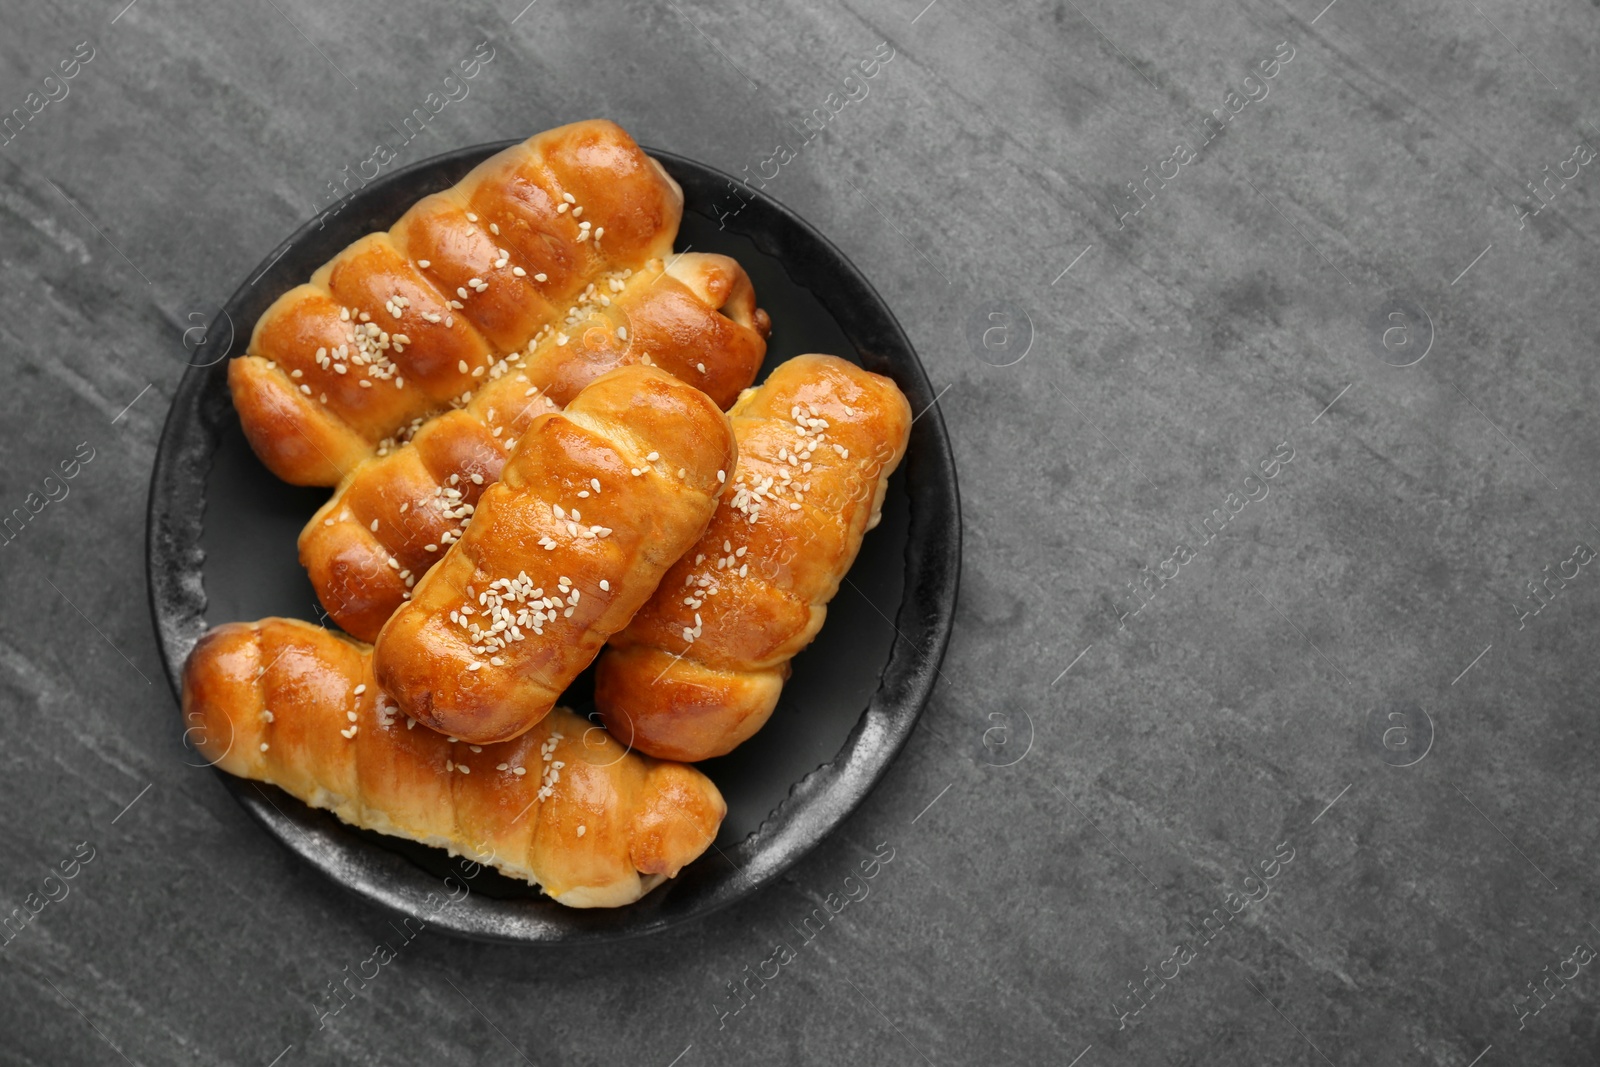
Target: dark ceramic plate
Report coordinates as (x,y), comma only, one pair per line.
(221,547)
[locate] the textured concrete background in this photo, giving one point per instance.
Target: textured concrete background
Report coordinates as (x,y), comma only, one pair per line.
(1339,673)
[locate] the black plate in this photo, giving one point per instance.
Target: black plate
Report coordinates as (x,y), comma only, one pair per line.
(221,544)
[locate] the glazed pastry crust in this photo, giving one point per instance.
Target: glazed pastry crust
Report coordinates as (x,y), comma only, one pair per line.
(403,323)
(542,577)
(286,702)
(699,669)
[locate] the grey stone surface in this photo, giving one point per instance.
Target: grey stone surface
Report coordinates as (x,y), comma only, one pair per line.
(1082,824)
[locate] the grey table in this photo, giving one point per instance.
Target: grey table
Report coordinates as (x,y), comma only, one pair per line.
(1264,331)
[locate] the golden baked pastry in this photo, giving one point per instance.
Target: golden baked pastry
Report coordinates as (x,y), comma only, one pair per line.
(593,506)
(563,806)
(700,667)
(408,322)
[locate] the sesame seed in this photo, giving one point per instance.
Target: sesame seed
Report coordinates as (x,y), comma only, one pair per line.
(569,198)
(541,277)
(263,746)
(471,217)
(582,830)
(461,365)
(722,476)
(424,264)
(652,457)
(362,688)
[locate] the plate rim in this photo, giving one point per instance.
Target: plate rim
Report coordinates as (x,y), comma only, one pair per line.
(815,806)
